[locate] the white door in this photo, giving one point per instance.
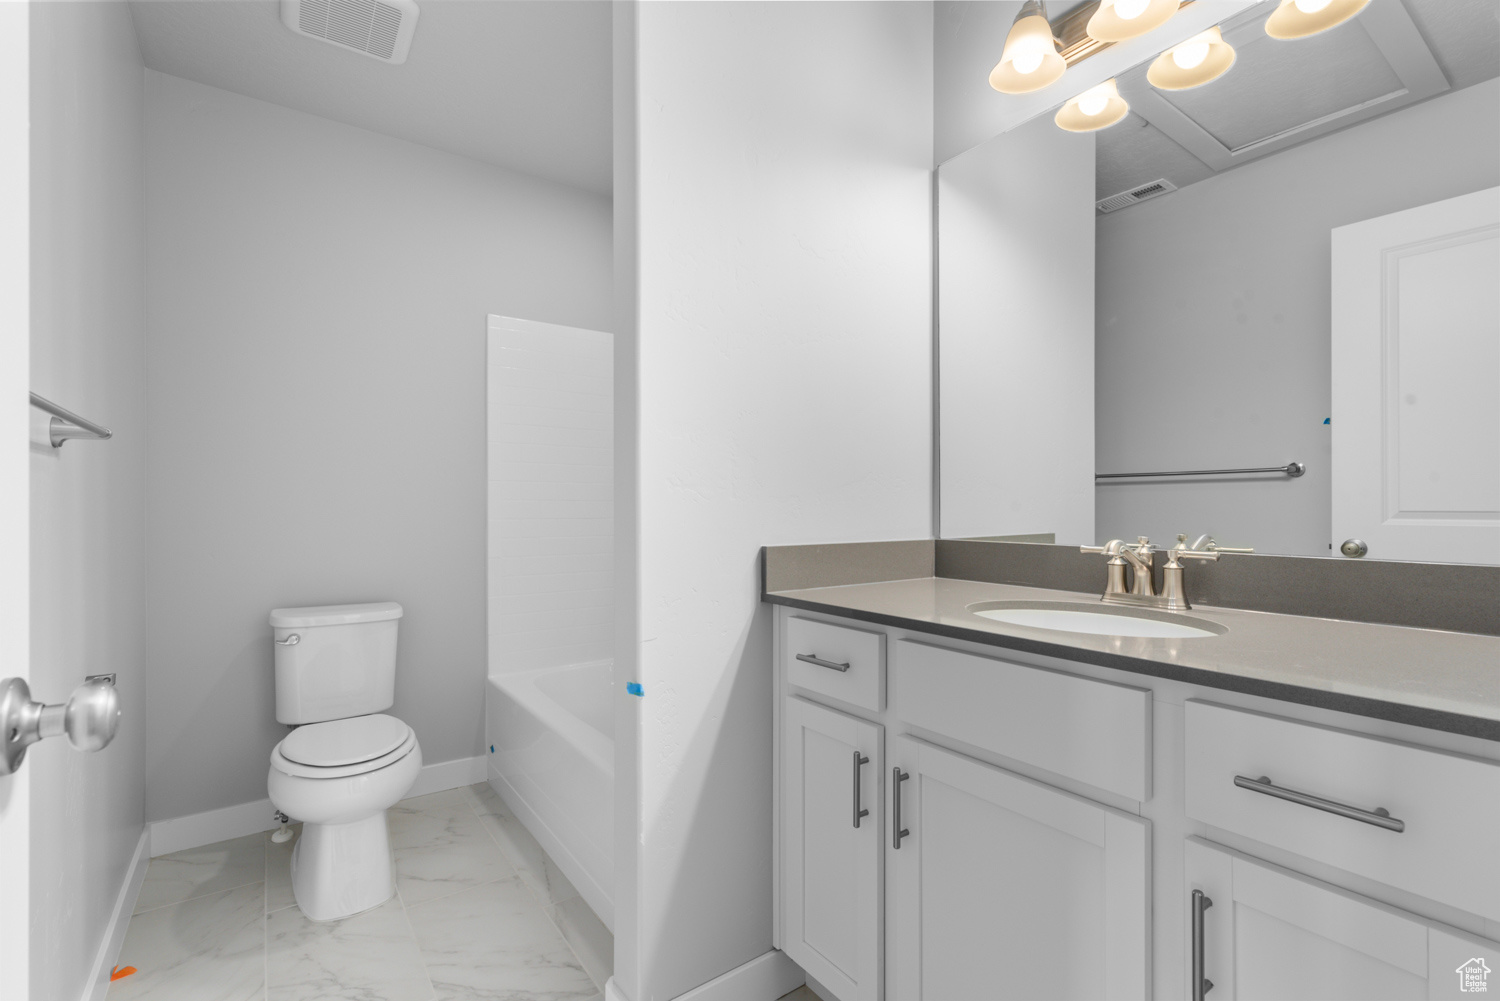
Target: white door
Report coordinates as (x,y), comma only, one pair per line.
(1007,888)
(831,847)
(1272,935)
(1416,382)
(15,431)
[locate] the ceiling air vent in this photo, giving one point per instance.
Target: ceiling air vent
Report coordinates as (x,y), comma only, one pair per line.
(1126,198)
(381,29)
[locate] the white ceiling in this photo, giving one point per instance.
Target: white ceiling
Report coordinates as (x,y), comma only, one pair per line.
(1279,85)
(522,84)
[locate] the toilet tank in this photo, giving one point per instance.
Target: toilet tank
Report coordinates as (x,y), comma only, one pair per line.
(341,663)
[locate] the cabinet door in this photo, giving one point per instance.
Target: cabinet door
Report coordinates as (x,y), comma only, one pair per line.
(1003,887)
(831,855)
(1273,935)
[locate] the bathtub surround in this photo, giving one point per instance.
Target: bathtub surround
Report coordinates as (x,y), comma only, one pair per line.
(87,556)
(551,518)
(317,409)
(774,352)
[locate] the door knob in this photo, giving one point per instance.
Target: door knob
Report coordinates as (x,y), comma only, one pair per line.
(1354,548)
(90,718)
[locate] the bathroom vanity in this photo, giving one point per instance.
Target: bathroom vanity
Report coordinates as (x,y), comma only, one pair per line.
(972,808)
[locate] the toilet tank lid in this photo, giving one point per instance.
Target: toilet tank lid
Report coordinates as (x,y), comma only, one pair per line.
(335,615)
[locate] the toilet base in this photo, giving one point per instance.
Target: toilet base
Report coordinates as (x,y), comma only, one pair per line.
(342,869)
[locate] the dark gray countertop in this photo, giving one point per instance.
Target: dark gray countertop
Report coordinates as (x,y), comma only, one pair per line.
(1425,677)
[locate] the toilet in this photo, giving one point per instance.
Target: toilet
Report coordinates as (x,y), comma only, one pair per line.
(347,762)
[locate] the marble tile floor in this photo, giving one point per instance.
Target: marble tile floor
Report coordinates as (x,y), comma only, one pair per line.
(480,912)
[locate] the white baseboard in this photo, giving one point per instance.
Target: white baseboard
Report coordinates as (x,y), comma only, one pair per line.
(765,978)
(450,775)
(199,829)
(119,920)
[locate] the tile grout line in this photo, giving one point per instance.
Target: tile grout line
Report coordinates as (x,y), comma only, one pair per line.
(546,909)
(265,918)
(421,956)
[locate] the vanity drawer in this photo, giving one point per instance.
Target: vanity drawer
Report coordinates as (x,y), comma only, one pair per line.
(1092,731)
(1449,806)
(837,661)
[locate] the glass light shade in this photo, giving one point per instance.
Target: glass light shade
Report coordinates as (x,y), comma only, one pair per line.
(1110,25)
(1169,73)
(1300,18)
(1104,101)
(1030,60)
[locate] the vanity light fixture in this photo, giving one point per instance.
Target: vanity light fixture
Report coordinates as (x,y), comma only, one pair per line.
(1096,108)
(1193,63)
(1030,60)
(1118,20)
(1300,18)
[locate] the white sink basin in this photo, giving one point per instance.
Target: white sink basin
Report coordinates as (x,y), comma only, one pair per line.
(1098,620)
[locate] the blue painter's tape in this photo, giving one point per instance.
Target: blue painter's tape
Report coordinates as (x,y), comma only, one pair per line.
(492,748)
(1328,420)
(634,688)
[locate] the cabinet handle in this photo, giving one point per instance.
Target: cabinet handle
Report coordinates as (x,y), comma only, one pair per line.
(1201,984)
(1379,817)
(897,831)
(808,658)
(859,759)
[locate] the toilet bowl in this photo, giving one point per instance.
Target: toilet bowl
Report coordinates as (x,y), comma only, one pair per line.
(339,777)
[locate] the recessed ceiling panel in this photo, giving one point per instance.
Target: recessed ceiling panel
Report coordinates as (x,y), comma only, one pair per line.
(1280,85)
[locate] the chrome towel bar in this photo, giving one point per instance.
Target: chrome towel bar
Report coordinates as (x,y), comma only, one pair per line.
(65,424)
(1292,469)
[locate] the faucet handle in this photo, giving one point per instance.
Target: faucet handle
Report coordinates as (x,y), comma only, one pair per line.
(1177,553)
(1110,548)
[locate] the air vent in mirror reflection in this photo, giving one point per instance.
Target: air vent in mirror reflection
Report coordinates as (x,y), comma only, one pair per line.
(1124,199)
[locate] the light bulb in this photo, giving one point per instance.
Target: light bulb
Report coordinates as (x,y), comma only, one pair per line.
(1094,101)
(1312,6)
(1190,55)
(1129,10)
(1027,61)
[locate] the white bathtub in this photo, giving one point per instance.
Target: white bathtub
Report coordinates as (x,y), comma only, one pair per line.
(554,765)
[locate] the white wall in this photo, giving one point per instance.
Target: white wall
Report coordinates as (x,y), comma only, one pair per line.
(1213,317)
(15,461)
(316,304)
(1016,336)
(551,517)
(781,356)
(87,499)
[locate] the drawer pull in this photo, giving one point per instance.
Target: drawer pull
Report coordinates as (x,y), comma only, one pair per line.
(859,759)
(897,831)
(808,658)
(1201,985)
(1379,817)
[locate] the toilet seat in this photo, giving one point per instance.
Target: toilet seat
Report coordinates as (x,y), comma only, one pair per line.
(343,747)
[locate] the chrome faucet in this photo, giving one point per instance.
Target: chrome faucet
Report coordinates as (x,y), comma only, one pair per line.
(1141,557)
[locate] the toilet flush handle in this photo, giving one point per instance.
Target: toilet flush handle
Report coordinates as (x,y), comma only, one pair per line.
(291,640)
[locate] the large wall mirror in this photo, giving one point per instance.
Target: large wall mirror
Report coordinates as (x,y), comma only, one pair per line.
(1263,308)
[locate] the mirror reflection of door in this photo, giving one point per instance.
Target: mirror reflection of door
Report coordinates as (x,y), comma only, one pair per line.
(1416,382)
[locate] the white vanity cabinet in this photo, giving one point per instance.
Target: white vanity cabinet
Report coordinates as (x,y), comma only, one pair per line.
(830,803)
(1001,887)
(1267,932)
(1036,828)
